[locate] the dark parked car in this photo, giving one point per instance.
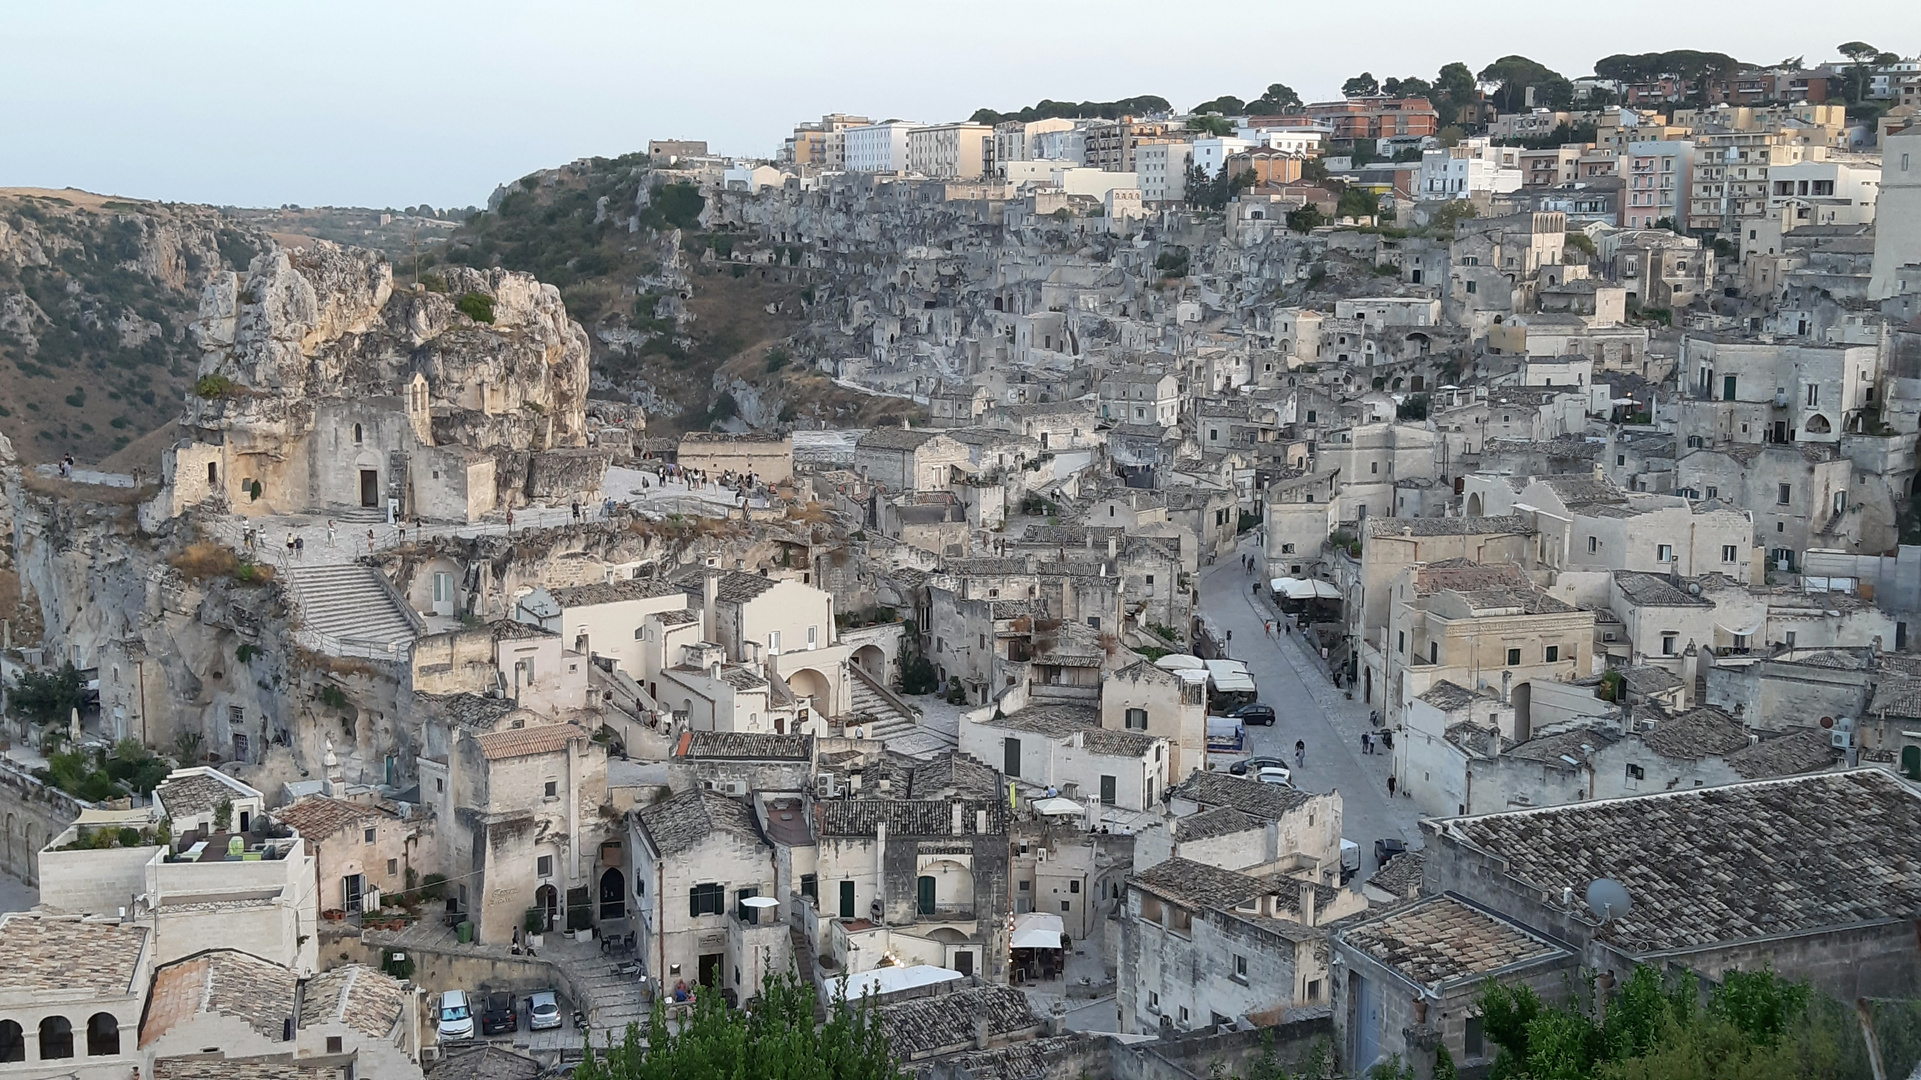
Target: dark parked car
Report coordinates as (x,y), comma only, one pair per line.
(1253,766)
(1387,849)
(1255,713)
(500,1016)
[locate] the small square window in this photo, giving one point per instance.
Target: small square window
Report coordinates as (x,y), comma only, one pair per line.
(1067,905)
(393,867)
(1551,654)
(1240,967)
(552,789)
(1513,657)
(544,866)
(367,835)
(1073,886)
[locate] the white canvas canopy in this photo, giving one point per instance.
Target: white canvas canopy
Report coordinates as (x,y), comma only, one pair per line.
(1230,676)
(1179,661)
(1305,589)
(1037,930)
(1057,806)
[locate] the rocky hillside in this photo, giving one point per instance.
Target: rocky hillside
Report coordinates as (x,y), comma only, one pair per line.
(96,295)
(678,326)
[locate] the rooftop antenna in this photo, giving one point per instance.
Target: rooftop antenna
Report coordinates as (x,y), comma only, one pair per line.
(1608,899)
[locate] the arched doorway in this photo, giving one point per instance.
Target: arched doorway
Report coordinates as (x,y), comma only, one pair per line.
(812,685)
(103,1035)
(873,660)
(547,899)
(613,894)
(1474,505)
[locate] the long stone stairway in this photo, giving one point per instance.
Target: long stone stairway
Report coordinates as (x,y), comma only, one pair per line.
(809,968)
(349,604)
(874,714)
(610,1000)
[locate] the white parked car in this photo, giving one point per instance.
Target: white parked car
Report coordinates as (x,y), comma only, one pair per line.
(1274,774)
(543,1010)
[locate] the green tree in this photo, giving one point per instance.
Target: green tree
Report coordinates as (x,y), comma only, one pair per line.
(47,697)
(776,1040)
(1279,98)
(1358,202)
(477,306)
(1516,75)
(1225,105)
(1210,124)
(1406,88)
(1455,92)
(1362,85)
(1306,219)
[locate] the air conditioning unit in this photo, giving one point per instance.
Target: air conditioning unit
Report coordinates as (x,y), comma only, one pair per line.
(735,788)
(824,786)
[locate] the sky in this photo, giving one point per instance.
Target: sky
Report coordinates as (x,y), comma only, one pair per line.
(407,101)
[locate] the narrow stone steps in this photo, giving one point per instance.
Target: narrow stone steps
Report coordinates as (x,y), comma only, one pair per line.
(349,601)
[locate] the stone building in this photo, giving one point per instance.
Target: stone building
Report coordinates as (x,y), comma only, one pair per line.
(1154,701)
(697,856)
(770,458)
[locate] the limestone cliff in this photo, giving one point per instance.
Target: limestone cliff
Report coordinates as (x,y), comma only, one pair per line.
(324,322)
(96,295)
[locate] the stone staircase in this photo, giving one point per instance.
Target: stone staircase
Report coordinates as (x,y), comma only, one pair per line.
(809,969)
(610,1000)
(873,712)
(350,609)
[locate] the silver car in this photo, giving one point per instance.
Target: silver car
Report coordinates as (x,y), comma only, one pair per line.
(543,1010)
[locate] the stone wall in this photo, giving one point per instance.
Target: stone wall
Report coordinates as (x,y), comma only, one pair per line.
(33,813)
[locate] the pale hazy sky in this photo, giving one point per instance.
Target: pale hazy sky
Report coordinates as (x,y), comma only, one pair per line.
(396,103)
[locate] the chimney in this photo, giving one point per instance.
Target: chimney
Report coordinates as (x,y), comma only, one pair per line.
(709,596)
(1113,546)
(880,860)
(1307,903)
(980,1032)
(1090,539)
(1600,471)
(1494,741)
(957,819)
(1507,685)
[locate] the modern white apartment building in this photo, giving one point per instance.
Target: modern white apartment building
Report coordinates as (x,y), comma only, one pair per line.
(961,151)
(1210,155)
(1473,165)
(877,148)
(1833,192)
(1161,165)
(1657,178)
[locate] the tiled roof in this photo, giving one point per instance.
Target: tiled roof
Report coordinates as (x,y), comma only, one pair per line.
(923,1025)
(612,592)
(1517,524)
(1032,1059)
(1402,874)
(1655,590)
(1214,822)
(1440,940)
(46,953)
(527,741)
(746,745)
(1697,733)
(1067,721)
(1647,679)
(953,773)
(192,794)
(741,678)
(364,999)
(907,817)
(277,1067)
(1717,864)
(1448,697)
(1800,751)
(1467,576)
(474,710)
(317,816)
(1199,885)
(223,982)
(1265,801)
(731,586)
(1897,694)
(1580,492)
(1576,743)
(680,823)
(484,1062)
(515,630)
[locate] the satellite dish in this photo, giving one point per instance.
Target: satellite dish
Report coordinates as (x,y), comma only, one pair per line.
(1608,898)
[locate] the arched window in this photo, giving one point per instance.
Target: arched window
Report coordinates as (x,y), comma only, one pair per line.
(56,1038)
(358,435)
(13,1042)
(103,1035)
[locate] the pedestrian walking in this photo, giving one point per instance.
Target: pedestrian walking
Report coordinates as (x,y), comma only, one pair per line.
(299,546)
(1300,753)
(1367,743)
(1390,787)
(1268,626)
(370,539)
(510,519)
(289,545)
(330,532)
(576,509)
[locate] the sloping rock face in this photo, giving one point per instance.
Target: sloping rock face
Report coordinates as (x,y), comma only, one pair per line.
(326,322)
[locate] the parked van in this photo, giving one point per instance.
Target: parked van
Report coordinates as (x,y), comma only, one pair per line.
(456,1016)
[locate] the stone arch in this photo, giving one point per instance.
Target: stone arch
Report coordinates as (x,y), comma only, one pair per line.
(103,1035)
(873,660)
(13,1042)
(29,854)
(1818,425)
(613,894)
(1474,505)
(811,683)
(1417,383)
(56,1038)
(1397,382)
